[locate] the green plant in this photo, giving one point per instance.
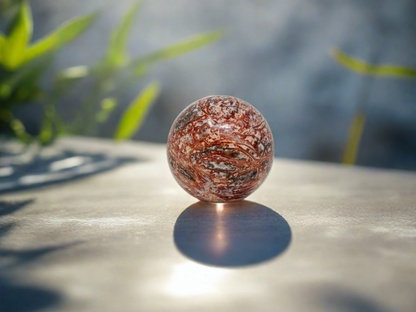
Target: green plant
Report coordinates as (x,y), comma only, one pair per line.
(8,5)
(358,122)
(116,70)
(22,64)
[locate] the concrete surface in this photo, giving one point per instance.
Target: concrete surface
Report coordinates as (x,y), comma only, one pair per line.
(314,237)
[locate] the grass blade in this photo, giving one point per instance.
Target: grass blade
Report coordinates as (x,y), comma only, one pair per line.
(75,72)
(107,105)
(3,41)
(67,78)
(135,113)
(27,76)
(117,52)
(16,126)
(15,46)
(361,67)
(66,33)
(179,48)
(46,132)
(354,138)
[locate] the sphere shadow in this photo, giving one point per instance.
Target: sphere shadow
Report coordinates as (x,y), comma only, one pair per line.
(233,234)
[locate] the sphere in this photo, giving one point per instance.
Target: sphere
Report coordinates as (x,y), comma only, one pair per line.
(220,149)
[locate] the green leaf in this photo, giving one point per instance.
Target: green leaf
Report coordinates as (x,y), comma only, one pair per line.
(64,34)
(6,6)
(3,41)
(28,75)
(59,125)
(46,134)
(67,78)
(117,54)
(5,90)
(13,16)
(106,107)
(75,72)
(15,47)
(362,67)
(23,85)
(179,48)
(135,113)
(6,115)
(354,138)
(20,131)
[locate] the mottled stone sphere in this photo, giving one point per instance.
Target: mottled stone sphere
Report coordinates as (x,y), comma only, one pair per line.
(220,149)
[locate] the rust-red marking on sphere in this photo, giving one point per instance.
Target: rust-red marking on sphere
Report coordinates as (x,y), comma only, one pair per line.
(220,149)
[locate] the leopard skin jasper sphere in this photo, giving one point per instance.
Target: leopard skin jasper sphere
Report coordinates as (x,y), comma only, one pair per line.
(220,149)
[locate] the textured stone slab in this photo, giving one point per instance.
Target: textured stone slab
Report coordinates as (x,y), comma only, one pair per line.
(314,237)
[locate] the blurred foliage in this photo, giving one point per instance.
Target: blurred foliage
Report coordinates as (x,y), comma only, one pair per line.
(8,5)
(361,67)
(354,139)
(23,65)
(137,110)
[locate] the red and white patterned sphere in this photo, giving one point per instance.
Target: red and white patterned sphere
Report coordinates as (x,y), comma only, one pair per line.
(220,149)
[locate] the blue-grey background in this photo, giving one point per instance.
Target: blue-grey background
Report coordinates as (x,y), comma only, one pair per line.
(276,57)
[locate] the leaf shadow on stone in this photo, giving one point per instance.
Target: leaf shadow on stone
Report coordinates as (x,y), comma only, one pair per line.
(231,235)
(22,174)
(333,297)
(10,207)
(16,294)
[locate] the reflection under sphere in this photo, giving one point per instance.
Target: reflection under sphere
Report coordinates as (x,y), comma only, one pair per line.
(220,149)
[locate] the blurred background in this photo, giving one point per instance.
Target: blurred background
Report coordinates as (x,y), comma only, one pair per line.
(273,54)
